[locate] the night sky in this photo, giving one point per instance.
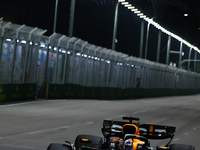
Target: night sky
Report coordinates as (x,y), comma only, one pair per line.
(93,22)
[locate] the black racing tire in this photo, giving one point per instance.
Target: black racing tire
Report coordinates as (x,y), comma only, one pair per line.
(96,141)
(181,147)
(58,146)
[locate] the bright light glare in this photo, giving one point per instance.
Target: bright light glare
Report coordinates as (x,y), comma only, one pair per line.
(158,26)
(137,12)
(9,40)
(141,14)
(78,54)
(23,41)
(125,3)
(42,45)
(132,7)
(108,61)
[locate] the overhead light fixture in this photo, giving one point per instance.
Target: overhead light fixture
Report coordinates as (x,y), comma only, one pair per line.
(137,12)
(9,40)
(23,41)
(134,9)
(140,14)
(128,5)
(143,16)
(42,45)
(131,7)
(124,3)
(155,24)
(78,54)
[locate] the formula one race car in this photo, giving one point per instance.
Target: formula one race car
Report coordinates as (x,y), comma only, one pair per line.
(124,136)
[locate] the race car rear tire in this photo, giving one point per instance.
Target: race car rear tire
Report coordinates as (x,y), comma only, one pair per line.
(96,141)
(181,147)
(58,146)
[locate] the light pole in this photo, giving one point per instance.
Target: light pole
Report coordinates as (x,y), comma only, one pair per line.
(147,40)
(158,46)
(141,38)
(55,16)
(71,21)
(195,57)
(180,55)
(189,58)
(115,26)
(168,49)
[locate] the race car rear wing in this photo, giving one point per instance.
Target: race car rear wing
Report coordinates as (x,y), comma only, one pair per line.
(156,131)
(149,131)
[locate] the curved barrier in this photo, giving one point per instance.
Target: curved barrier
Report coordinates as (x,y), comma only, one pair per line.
(71,91)
(33,65)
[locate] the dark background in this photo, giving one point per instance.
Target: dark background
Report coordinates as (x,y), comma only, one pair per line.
(94,21)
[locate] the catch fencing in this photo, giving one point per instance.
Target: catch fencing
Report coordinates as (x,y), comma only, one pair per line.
(33,65)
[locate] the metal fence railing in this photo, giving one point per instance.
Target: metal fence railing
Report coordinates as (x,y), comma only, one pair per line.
(27,56)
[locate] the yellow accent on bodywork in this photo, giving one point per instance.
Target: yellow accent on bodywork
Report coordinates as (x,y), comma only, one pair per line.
(150,129)
(164,147)
(136,142)
(85,140)
(136,128)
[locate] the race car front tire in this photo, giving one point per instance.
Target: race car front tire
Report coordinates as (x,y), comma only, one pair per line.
(181,147)
(58,146)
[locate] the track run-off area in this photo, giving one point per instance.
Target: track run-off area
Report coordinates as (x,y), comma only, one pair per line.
(34,125)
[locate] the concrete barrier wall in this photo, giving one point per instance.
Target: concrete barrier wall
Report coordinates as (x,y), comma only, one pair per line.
(72,91)
(17,92)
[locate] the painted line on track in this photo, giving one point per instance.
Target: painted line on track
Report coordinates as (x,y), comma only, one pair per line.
(46,130)
(18,104)
(176,139)
(24,103)
(89,122)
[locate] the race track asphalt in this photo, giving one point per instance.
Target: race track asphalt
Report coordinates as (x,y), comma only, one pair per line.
(34,125)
